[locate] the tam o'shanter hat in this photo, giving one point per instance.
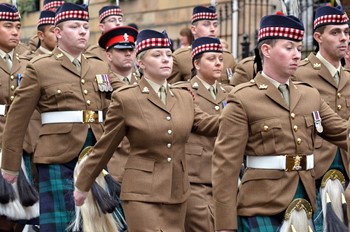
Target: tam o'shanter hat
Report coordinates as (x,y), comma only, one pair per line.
(279,26)
(203,13)
(328,15)
(71,11)
(123,37)
(108,11)
(148,39)
(205,44)
(8,12)
(47,17)
(52,4)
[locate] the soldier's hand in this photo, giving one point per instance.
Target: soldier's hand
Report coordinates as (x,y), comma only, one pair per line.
(10,178)
(79,197)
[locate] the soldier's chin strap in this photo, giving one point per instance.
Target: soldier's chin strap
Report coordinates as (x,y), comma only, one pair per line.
(257,61)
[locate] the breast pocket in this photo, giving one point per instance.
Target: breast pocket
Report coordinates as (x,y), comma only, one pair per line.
(61,94)
(264,135)
(138,176)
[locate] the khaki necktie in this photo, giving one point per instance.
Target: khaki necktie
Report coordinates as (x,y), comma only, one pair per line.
(212,91)
(162,94)
(76,62)
(336,78)
(285,93)
(126,80)
(8,61)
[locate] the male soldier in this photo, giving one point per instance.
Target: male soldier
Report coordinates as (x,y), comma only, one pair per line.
(110,17)
(323,71)
(269,122)
(119,44)
(12,66)
(204,24)
(64,87)
(34,41)
(210,96)
(245,70)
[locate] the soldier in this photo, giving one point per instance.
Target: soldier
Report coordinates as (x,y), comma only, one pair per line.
(119,44)
(210,96)
(204,23)
(245,70)
(151,114)
(110,17)
(269,122)
(323,71)
(64,87)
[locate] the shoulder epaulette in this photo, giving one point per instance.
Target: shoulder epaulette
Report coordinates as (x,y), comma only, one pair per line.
(301,83)
(36,58)
(126,87)
(180,84)
(243,85)
(304,62)
(91,56)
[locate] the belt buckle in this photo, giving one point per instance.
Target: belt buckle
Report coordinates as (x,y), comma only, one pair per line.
(295,163)
(90,116)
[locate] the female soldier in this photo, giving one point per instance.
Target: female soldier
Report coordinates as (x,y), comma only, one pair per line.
(157,119)
(210,96)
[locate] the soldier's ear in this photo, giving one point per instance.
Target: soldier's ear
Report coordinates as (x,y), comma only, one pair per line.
(101,26)
(57,31)
(265,50)
(196,64)
(317,37)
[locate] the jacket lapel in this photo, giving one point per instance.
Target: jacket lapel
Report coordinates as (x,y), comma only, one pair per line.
(200,89)
(16,65)
(152,96)
(65,62)
(294,95)
(322,70)
(85,66)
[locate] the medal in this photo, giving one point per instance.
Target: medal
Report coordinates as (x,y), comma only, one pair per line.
(317,120)
(19,77)
(100,82)
(229,73)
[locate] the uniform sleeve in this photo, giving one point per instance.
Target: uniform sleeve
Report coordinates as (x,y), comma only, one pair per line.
(17,120)
(241,74)
(204,123)
(227,158)
(105,147)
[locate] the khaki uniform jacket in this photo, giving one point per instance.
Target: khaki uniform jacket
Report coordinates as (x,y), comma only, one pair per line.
(117,163)
(156,169)
(312,71)
(183,65)
(244,71)
(199,148)
(52,83)
(257,122)
(96,50)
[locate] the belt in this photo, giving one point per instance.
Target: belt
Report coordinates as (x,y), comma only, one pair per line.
(79,116)
(281,162)
(4,109)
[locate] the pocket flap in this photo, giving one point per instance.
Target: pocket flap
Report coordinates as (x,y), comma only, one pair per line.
(258,174)
(61,128)
(265,125)
(193,149)
(140,164)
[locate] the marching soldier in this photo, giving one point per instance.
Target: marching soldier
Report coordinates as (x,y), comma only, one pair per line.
(269,122)
(210,96)
(323,71)
(204,24)
(151,115)
(119,44)
(65,87)
(110,17)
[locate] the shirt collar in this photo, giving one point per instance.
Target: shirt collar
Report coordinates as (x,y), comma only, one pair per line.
(273,81)
(206,85)
(3,54)
(70,57)
(156,86)
(332,70)
(44,50)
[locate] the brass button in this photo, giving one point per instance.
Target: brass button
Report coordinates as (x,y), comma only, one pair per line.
(12,77)
(295,127)
(59,91)
(169,159)
(298,141)
(85,92)
(169,145)
(88,102)
(170,131)
(12,98)
(82,81)
(266,128)
(12,87)
(292,115)
(339,107)
(168,118)
(339,95)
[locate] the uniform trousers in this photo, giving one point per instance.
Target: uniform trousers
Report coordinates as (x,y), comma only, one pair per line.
(56,186)
(152,217)
(200,208)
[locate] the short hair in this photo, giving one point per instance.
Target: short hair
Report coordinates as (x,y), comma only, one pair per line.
(270,42)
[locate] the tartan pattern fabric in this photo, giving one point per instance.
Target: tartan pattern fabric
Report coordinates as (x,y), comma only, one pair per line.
(56,186)
(152,43)
(71,15)
(48,20)
(204,16)
(330,19)
(53,4)
(115,11)
(10,16)
(281,32)
(212,47)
